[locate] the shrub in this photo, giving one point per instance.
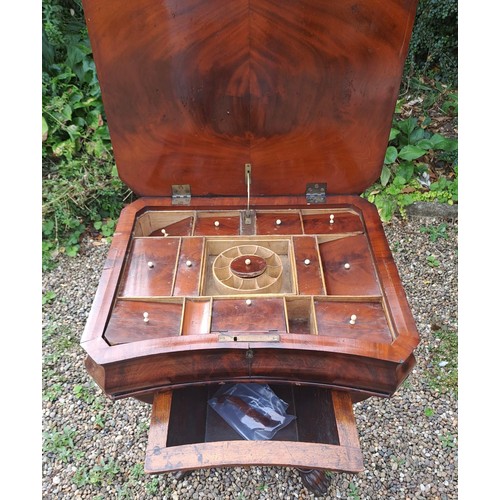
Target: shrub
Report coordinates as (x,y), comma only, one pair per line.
(434,43)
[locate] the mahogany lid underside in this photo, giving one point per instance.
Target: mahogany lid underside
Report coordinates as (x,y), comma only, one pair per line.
(304,91)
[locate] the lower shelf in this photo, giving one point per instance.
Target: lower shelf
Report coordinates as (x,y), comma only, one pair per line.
(187,434)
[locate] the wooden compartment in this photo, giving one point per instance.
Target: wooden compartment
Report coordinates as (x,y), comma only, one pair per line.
(331,222)
(219,275)
(279,222)
(308,265)
(217,224)
(189,267)
(348,266)
(134,320)
(248,315)
(353,319)
(150,267)
(186,433)
(300,315)
(164,223)
(197,316)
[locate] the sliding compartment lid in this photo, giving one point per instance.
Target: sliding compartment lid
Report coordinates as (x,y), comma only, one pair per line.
(304,91)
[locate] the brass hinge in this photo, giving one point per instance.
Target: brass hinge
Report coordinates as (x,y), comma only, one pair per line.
(316,192)
(181,194)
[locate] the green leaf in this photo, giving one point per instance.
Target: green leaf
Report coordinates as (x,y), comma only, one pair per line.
(411,152)
(390,155)
(385,175)
(417,135)
(398,183)
(45,129)
(440,142)
(405,171)
(394,133)
(425,144)
(408,126)
(47,227)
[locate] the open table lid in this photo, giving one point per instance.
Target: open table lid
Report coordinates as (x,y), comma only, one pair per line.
(304,91)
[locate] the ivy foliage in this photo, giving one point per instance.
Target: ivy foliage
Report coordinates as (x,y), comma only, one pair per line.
(81,190)
(80,187)
(434,44)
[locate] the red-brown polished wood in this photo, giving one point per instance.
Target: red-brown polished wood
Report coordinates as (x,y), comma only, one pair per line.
(358,364)
(303,91)
(250,103)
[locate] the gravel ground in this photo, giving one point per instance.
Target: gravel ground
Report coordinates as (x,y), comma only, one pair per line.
(94,448)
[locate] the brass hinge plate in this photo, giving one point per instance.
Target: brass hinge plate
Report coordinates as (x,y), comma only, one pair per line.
(316,192)
(181,194)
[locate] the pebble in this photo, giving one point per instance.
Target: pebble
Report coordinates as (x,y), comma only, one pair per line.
(404,455)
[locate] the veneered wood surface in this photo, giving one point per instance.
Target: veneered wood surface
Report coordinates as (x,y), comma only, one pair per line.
(279,223)
(360,277)
(248,266)
(334,318)
(197,317)
(308,264)
(150,269)
(189,267)
(127,322)
(261,315)
(217,226)
(303,91)
(360,366)
(342,223)
(179,228)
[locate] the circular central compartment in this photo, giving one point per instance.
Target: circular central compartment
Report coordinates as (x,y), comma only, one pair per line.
(248,266)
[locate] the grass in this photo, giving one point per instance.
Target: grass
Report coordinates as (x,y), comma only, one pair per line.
(442,370)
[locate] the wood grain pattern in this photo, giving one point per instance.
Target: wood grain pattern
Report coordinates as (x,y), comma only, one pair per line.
(189,267)
(343,222)
(127,324)
(334,317)
(359,365)
(261,315)
(349,267)
(150,268)
(304,93)
(307,260)
(279,223)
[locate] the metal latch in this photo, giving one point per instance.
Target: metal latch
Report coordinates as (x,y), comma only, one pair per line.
(249,337)
(316,192)
(181,194)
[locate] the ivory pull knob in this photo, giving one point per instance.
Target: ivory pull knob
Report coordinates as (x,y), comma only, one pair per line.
(216,223)
(332,219)
(248,302)
(189,263)
(347,265)
(307,262)
(150,265)
(353,319)
(164,232)
(146,317)
(278,222)
(248,262)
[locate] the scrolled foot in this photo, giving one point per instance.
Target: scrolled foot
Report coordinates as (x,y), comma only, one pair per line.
(181,474)
(316,481)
